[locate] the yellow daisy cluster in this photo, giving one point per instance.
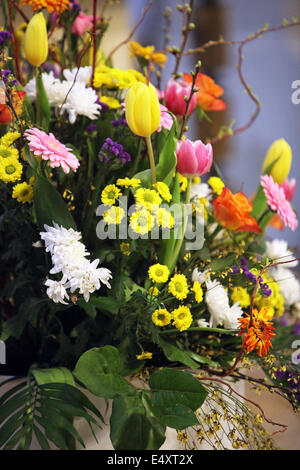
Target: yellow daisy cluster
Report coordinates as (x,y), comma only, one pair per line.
(23,192)
(216,184)
(274,303)
(178,286)
(125,248)
(198,291)
(181,317)
(147,53)
(183,182)
(112,77)
(159,273)
(241,295)
(10,167)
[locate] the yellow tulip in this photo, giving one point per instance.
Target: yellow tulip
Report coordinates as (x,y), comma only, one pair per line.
(142,109)
(36,40)
(282,152)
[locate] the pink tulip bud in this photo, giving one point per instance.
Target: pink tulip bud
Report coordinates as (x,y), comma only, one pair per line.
(193,158)
(289,187)
(82,23)
(175,93)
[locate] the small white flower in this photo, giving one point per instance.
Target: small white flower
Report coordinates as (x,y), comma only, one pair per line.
(198,276)
(83,75)
(202,323)
(201,190)
(289,285)
(56,291)
(277,250)
(37,244)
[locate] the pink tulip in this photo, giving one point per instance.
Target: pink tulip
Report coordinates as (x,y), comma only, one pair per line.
(175,92)
(289,187)
(82,23)
(193,158)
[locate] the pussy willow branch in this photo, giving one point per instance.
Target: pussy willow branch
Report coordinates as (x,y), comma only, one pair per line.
(185,33)
(94,36)
(125,41)
(284,426)
(25,18)
(184,118)
(15,45)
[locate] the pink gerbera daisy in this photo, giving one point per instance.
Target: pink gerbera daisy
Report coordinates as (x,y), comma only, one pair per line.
(51,149)
(278,202)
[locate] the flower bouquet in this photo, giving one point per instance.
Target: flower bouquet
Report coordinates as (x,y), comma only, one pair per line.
(128,268)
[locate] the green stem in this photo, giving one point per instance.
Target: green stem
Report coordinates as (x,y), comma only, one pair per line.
(180,241)
(200,328)
(137,160)
(151,159)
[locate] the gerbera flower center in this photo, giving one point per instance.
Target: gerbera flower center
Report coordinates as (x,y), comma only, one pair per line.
(52,144)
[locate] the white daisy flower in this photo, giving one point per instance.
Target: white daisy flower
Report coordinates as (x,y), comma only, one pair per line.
(277,250)
(82,75)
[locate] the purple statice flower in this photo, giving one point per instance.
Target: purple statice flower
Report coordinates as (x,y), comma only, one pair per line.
(235,269)
(104,106)
(264,287)
(75,5)
(296,330)
(119,122)
(4,36)
(91,128)
(113,149)
(4,74)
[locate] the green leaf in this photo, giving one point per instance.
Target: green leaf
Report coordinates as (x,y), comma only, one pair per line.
(99,369)
(42,104)
(54,375)
(178,416)
(174,354)
(131,426)
(41,438)
(219,264)
(49,205)
(108,304)
(173,387)
(88,307)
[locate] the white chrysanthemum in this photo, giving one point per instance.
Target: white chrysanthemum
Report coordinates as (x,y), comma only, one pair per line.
(84,74)
(217,301)
(198,276)
(277,250)
(288,284)
(56,291)
(201,190)
(231,318)
(83,101)
(49,81)
(68,255)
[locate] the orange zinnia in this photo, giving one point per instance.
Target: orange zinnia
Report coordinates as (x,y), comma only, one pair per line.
(209,92)
(52,5)
(232,211)
(259,333)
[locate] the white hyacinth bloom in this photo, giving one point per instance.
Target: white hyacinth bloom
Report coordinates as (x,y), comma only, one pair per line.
(277,250)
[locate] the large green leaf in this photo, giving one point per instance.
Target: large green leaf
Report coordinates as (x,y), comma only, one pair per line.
(132,427)
(99,369)
(173,387)
(178,416)
(174,354)
(54,375)
(49,205)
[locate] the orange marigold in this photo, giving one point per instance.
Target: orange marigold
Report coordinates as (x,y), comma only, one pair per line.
(209,92)
(259,333)
(232,211)
(52,5)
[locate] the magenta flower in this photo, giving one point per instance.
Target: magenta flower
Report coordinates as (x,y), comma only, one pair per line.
(51,149)
(175,92)
(289,188)
(278,202)
(193,158)
(82,23)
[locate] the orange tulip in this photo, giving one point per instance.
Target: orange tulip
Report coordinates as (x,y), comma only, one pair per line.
(208,94)
(6,114)
(232,211)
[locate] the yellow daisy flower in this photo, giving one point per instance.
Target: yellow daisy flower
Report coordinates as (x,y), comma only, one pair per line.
(128,182)
(216,184)
(147,197)
(161,317)
(23,192)
(159,273)
(178,286)
(109,194)
(114,215)
(111,102)
(241,295)
(6,152)
(10,169)
(198,292)
(183,182)
(153,291)
(9,138)
(142,221)
(144,355)
(125,248)
(165,218)
(182,318)
(163,190)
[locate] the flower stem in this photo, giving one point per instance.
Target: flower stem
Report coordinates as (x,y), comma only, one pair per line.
(151,158)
